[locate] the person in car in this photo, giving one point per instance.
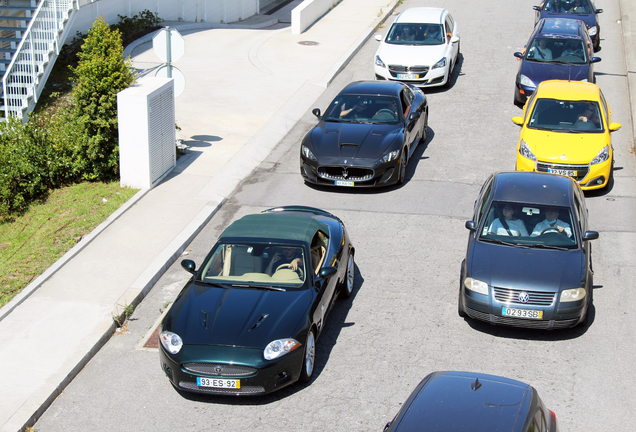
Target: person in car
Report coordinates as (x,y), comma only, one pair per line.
(509,225)
(551,222)
(589,117)
(290,256)
(541,51)
(573,48)
(555,6)
(579,7)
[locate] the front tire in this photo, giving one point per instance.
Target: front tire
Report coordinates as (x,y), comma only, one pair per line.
(347,287)
(307,370)
(402,168)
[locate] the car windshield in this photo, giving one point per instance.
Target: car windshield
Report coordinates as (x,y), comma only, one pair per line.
(364,109)
(529,225)
(415,34)
(256,265)
(566,116)
(570,7)
(557,50)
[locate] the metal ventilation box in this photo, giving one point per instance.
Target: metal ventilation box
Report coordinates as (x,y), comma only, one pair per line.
(145,113)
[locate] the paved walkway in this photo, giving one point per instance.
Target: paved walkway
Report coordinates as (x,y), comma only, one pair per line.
(247,84)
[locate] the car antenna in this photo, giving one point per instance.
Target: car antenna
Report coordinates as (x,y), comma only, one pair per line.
(476,385)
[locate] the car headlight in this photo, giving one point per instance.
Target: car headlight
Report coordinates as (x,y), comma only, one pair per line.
(440,64)
(573,294)
(307,153)
(389,157)
(525,81)
(592,31)
(171,342)
(279,348)
(379,62)
(476,285)
(602,156)
(524,149)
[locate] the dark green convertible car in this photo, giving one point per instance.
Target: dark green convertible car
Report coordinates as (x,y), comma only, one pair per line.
(247,321)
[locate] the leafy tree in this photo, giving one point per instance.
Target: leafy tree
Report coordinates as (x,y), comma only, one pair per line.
(100,74)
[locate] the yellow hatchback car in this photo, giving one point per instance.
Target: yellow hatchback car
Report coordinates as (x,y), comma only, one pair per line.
(565,130)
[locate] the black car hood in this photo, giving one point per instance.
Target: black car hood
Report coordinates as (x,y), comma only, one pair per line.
(353,140)
(528,269)
(245,317)
(538,71)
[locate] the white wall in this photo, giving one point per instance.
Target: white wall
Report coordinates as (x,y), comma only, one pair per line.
(213,11)
(308,12)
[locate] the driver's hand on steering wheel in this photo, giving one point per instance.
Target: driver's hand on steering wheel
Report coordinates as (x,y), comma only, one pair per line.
(294,264)
(560,228)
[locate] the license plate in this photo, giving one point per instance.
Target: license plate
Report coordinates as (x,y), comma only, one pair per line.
(219,383)
(522,313)
(344,183)
(408,76)
(570,173)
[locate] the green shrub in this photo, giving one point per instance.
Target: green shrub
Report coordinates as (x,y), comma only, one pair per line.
(100,74)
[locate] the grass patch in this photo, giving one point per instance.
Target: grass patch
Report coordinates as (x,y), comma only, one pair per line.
(32,242)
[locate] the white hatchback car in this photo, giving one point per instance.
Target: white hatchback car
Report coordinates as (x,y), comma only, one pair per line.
(421,48)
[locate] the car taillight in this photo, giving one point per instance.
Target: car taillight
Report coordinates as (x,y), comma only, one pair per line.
(554,416)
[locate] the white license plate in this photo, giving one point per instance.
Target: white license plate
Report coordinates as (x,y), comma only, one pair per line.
(570,173)
(408,76)
(219,383)
(344,183)
(522,313)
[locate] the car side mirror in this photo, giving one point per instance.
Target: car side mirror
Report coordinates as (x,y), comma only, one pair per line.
(454,39)
(470,225)
(517,120)
(595,60)
(327,272)
(598,11)
(378,37)
(590,235)
(614,126)
(189,266)
(537,8)
(316,112)
(518,54)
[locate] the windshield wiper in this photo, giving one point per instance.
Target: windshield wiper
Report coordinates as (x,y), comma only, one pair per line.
(491,240)
(545,246)
(265,287)
(215,284)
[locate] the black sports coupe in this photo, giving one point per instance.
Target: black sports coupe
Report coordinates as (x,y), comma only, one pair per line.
(247,321)
(366,136)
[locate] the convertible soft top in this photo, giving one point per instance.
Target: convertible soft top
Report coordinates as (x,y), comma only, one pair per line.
(275,225)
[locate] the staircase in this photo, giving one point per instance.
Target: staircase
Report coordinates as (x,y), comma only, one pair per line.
(32,35)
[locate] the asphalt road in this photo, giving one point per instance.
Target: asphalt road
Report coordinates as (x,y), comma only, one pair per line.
(402,322)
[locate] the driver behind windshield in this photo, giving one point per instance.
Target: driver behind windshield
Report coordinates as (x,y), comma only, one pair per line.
(508,225)
(552,223)
(291,257)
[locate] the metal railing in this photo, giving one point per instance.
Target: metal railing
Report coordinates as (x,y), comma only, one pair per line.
(25,76)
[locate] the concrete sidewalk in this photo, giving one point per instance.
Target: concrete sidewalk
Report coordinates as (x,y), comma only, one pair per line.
(247,84)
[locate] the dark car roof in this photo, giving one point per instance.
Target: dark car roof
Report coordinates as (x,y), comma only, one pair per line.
(465,401)
(389,88)
(560,27)
(531,187)
(278,225)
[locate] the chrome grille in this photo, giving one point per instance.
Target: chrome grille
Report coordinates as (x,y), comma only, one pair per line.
(395,69)
(536,298)
(243,390)
(219,369)
(581,170)
(345,173)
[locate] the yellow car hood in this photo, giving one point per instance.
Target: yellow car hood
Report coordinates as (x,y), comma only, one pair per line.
(564,147)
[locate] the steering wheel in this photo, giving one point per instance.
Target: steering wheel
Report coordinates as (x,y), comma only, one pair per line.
(552,229)
(299,270)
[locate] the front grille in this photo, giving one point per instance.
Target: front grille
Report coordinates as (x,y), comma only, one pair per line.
(581,170)
(219,369)
(536,298)
(345,173)
(396,69)
(243,390)
(520,322)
